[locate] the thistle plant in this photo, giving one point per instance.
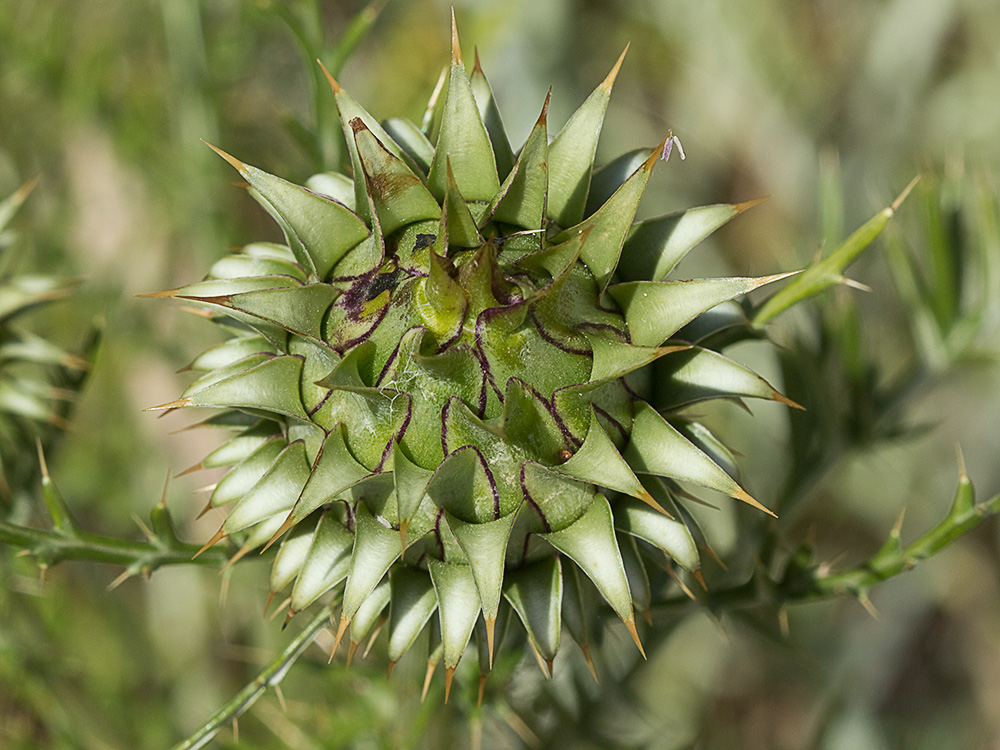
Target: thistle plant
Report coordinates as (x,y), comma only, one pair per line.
(456,404)
(440,385)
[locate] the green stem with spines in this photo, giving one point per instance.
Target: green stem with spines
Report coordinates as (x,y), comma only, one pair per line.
(269,677)
(804,580)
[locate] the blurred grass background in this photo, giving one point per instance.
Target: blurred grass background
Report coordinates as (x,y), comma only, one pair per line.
(107,101)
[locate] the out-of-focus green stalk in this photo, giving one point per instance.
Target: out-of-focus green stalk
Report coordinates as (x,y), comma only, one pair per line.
(829,271)
(268,677)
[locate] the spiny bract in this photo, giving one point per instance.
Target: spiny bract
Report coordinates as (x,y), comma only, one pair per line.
(434,386)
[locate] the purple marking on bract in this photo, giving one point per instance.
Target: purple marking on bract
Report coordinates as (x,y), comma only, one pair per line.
(531,501)
(668,146)
(550,339)
(615,423)
(493,483)
(550,407)
(320,406)
(437,532)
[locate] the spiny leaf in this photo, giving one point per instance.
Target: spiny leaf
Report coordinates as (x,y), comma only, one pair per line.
(598,461)
(464,143)
(326,563)
(244,475)
(535,592)
(523,194)
(655,310)
(613,359)
(590,542)
(297,309)
(458,607)
(698,374)
(349,109)
(610,223)
(291,556)
(319,231)
(571,154)
(398,195)
(274,493)
(669,535)
(654,247)
(657,448)
(462,226)
(485,546)
(270,387)
(376,547)
(491,119)
(413,603)
(829,271)
(334,471)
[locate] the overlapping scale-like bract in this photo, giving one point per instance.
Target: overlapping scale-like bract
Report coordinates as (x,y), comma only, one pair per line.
(433,388)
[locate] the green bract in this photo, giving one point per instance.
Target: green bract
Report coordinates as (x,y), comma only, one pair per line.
(433,388)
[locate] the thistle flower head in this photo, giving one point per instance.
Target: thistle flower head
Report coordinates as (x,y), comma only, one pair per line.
(439,386)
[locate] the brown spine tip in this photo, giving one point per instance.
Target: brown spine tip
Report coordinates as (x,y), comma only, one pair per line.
(161,294)
(476,65)
(962,474)
(590,662)
(41,460)
(374,636)
(747,205)
(652,503)
(351,649)
(289,522)
(491,623)
(238,165)
(609,81)
(208,507)
(744,496)
(341,629)
(178,404)
(224,300)
(482,690)
(543,118)
(220,534)
(699,578)
(236,558)
(656,155)
(431,666)
(456,49)
(630,625)
(388,672)
(539,659)
(336,87)
(783,399)
(190,470)
(449,673)
(267,604)
(680,584)
(288,618)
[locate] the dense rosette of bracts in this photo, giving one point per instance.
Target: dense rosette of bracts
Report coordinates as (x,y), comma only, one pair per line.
(434,386)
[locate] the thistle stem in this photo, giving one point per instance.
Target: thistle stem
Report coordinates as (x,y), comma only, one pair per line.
(268,677)
(51,547)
